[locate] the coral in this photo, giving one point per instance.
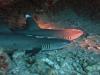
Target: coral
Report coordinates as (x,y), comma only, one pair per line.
(91,43)
(4,62)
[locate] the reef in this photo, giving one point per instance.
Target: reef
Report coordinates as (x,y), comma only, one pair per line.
(5,62)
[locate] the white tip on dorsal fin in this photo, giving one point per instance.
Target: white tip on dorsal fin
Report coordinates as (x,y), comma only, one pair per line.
(27,16)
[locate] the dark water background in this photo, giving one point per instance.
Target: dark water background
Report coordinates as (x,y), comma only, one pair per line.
(84,14)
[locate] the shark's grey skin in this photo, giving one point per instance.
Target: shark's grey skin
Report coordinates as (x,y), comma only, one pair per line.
(48,33)
(17,41)
(36,32)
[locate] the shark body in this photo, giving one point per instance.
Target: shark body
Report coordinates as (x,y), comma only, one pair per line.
(17,41)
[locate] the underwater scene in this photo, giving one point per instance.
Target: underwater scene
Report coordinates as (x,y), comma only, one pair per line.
(49,37)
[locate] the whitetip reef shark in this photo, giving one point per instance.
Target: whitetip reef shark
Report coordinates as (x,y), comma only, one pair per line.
(17,41)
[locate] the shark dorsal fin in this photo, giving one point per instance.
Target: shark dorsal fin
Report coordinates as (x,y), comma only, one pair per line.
(31,23)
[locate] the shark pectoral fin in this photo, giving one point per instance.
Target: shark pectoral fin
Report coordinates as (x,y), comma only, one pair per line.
(32,52)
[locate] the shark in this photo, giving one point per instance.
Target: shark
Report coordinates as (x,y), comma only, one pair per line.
(18,41)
